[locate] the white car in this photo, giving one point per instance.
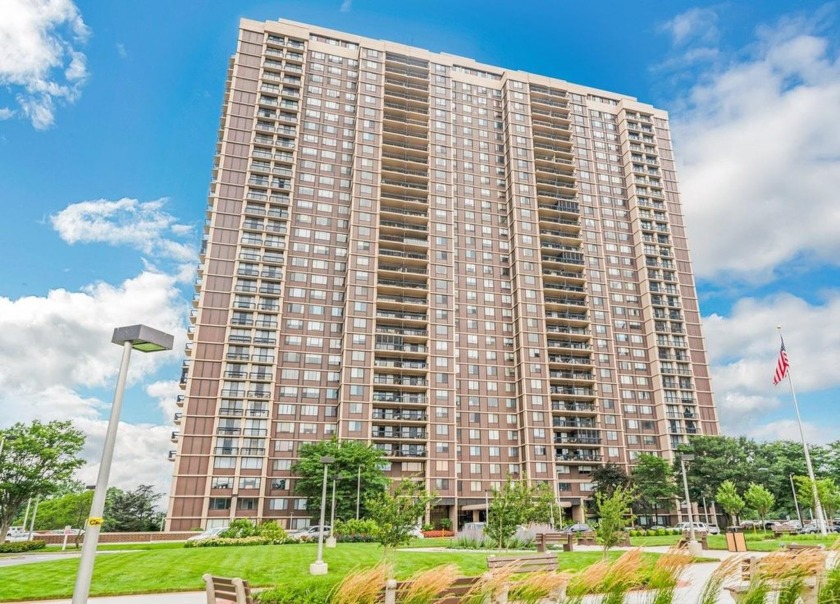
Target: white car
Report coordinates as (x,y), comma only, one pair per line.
(311,532)
(208,534)
(699,527)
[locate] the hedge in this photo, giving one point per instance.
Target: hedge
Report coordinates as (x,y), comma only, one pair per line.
(16,547)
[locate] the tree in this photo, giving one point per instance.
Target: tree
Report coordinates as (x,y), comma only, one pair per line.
(70,509)
(759,499)
(614,515)
(396,514)
(36,459)
(508,509)
(827,491)
(350,456)
(728,498)
(132,511)
(544,508)
(653,483)
(609,477)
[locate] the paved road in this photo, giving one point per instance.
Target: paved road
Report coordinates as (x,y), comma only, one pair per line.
(49,557)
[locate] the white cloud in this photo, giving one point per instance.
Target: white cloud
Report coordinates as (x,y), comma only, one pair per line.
(759,145)
(696,25)
(787,429)
(346,5)
(140,455)
(144,226)
(39,57)
(744,348)
(121,51)
(54,347)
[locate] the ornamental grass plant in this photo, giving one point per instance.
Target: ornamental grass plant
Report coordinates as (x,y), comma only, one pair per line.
(362,586)
(424,587)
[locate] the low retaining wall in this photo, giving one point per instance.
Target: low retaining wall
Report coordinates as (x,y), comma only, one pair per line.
(148,537)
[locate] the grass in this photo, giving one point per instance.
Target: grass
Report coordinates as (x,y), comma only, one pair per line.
(156,568)
(756,542)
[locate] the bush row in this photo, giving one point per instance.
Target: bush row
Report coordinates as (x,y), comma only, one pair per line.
(654,532)
(16,547)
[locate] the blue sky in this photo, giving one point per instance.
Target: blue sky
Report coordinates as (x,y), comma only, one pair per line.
(108,120)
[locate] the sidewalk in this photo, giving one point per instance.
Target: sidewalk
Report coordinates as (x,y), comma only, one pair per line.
(187,597)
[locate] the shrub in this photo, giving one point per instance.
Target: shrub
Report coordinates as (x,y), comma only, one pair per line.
(445,524)
(471,540)
(354,527)
(304,592)
(16,547)
(431,534)
(229,542)
(239,528)
(272,531)
(661,532)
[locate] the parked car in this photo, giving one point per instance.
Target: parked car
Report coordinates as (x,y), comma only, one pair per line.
(473,526)
(578,528)
(699,527)
(309,532)
(208,534)
(416,532)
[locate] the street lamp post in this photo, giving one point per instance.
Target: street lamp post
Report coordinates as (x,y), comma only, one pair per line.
(795,501)
(319,567)
(135,337)
(694,548)
(331,539)
(358,491)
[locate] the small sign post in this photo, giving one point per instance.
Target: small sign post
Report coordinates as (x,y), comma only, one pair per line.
(68,530)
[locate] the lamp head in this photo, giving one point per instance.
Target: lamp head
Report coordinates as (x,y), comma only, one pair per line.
(143,338)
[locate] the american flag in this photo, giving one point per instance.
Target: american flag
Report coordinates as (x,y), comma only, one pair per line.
(782,365)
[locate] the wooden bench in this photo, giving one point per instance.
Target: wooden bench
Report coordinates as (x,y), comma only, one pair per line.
(801,546)
(749,570)
(524,564)
(451,595)
(543,540)
(780,531)
(222,589)
(586,538)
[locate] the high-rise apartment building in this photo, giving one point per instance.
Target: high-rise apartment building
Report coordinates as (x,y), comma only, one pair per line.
(483,272)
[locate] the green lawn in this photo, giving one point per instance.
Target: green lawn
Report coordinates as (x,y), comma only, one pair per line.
(757,542)
(164,569)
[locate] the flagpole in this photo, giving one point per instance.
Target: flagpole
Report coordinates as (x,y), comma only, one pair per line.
(818,512)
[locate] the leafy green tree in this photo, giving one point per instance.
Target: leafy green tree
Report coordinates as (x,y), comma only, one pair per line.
(653,482)
(350,455)
(608,478)
(827,491)
(36,459)
(759,499)
(721,458)
(544,508)
(396,514)
(132,511)
(70,509)
(729,499)
(508,509)
(614,515)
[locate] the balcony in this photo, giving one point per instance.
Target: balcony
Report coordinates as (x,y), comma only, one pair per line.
(402,415)
(398,433)
(171,456)
(381,396)
(573,407)
(578,457)
(395,380)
